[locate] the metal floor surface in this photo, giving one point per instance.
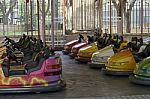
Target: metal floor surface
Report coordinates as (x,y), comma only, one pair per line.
(85,83)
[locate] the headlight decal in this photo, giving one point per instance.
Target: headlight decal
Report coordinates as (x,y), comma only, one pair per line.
(118,63)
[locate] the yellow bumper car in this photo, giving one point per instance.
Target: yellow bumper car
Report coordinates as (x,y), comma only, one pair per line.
(2,51)
(122,63)
(85,53)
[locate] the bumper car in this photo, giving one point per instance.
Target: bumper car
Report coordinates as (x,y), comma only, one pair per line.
(99,58)
(75,49)
(141,73)
(84,54)
(146,40)
(42,73)
(2,52)
(68,46)
(122,63)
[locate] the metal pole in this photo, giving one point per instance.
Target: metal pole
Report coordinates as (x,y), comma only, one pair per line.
(86,25)
(141,18)
(148,17)
(24,18)
(90,19)
(17,15)
(97,14)
(43,22)
(14,29)
(21,20)
(64,16)
(52,22)
(27,17)
(105,15)
(31,17)
(80,17)
(122,17)
(4,19)
(136,17)
(81,14)
(100,15)
(85,15)
(38,18)
(67,19)
(72,16)
(75,15)
(110,18)
(94,14)
(145,10)
(55,20)
(133,14)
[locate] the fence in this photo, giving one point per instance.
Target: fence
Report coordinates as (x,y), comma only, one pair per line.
(84,15)
(23,19)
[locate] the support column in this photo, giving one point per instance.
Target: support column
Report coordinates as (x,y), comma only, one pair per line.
(110,17)
(43,22)
(27,1)
(122,18)
(82,22)
(52,22)
(64,16)
(31,17)
(100,15)
(94,15)
(38,18)
(141,18)
(72,15)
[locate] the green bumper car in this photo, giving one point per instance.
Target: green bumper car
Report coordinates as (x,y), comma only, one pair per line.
(141,74)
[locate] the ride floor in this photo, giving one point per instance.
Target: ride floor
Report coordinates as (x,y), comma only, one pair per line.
(85,83)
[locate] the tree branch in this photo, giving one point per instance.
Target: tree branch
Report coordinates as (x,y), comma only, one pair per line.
(48,7)
(124,5)
(2,8)
(12,5)
(115,4)
(132,5)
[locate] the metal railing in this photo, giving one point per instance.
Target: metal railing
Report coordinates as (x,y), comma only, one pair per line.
(84,15)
